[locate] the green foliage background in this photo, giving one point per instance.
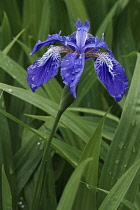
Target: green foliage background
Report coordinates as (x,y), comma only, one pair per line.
(95,160)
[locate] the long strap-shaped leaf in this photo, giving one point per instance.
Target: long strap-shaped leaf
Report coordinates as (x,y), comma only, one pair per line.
(69,119)
(6,192)
(124,150)
(86,198)
(68,196)
(117,193)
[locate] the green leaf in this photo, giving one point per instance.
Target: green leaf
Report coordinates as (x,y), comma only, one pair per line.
(86,198)
(107,19)
(5,33)
(16,71)
(76,9)
(69,119)
(117,193)
(69,194)
(27,51)
(124,150)
(9,46)
(48,198)
(34,150)
(34,8)
(53,87)
(6,192)
(13,14)
(44,25)
(124,24)
(95,112)
(6,156)
(117,8)
(13,68)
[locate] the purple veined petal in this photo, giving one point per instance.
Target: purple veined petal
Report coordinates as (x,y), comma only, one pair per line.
(90,43)
(112,75)
(50,40)
(43,69)
(100,43)
(71,41)
(90,39)
(81,34)
(96,43)
(72,67)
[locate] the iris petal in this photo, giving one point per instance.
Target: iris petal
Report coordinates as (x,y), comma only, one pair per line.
(81,34)
(43,69)
(100,43)
(72,67)
(71,41)
(50,40)
(112,75)
(96,43)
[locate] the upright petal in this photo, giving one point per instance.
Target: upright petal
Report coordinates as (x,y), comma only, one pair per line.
(50,40)
(100,43)
(71,70)
(45,68)
(112,75)
(81,34)
(71,41)
(96,43)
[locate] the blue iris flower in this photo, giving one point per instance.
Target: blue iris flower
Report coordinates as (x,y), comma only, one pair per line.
(79,47)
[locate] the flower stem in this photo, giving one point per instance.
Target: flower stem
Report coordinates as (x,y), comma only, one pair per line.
(66,101)
(42,169)
(46,149)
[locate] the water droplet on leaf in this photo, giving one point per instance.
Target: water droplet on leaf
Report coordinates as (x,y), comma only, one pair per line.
(89,186)
(11,170)
(133,123)
(116,162)
(121,145)
(134,150)
(20,202)
(9,90)
(41,146)
(2,104)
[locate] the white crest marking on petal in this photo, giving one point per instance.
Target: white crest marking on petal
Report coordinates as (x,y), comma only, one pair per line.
(104,58)
(32,85)
(33,78)
(53,53)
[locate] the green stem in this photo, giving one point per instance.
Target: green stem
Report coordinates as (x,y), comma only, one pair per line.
(46,149)
(66,101)
(42,171)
